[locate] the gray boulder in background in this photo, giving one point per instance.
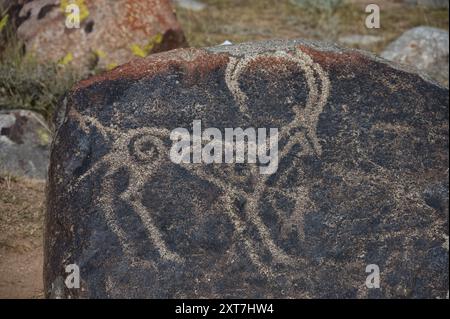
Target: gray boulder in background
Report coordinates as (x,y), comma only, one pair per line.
(425,48)
(24,144)
(429,3)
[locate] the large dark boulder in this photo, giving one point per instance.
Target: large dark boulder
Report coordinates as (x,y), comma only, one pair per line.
(362,179)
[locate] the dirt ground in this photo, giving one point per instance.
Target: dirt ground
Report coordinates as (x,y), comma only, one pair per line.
(21,227)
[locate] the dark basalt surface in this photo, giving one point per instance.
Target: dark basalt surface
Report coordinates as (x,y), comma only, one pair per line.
(362,179)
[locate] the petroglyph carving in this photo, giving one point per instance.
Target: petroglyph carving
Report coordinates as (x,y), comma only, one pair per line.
(142,151)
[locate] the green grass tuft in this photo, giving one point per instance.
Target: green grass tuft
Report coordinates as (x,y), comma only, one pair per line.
(26,83)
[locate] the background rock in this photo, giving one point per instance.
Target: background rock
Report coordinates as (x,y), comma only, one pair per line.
(111,32)
(192,5)
(425,48)
(24,144)
(362,179)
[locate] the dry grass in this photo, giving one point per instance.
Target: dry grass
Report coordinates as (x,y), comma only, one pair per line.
(21,237)
(21,213)
(248,20)
(26,83)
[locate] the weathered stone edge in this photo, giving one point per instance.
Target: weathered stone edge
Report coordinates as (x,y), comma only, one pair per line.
(275,45)
(248,48)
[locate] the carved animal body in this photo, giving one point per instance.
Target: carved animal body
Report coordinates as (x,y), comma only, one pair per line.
(212,226)
(142,164)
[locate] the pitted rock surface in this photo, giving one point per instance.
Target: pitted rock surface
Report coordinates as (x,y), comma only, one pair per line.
(424,48)
(362,179)
(24,144)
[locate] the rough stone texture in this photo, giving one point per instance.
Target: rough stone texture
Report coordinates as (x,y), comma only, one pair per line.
(24,144)
(425,48)
(362,179)
(111,32)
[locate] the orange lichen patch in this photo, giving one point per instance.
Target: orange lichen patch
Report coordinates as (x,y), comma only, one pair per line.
(196,64)
(331,60)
